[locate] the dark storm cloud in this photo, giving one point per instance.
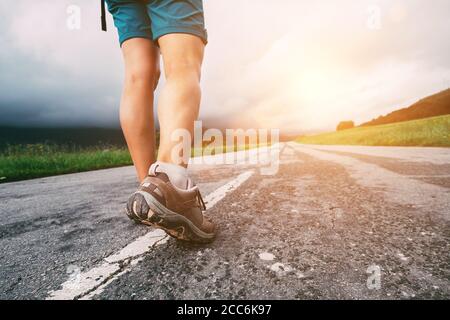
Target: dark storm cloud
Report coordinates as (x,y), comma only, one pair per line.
(53,76)
(302,69)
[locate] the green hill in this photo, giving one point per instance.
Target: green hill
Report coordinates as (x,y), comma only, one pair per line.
(430,132)
(432,106)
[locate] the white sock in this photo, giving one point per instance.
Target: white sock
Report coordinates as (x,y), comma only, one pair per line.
(178,175)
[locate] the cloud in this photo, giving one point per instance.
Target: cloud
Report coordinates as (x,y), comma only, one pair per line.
(52,75)
(295,65)
(318,63)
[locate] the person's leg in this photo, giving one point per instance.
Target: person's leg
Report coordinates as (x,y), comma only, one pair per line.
(136,110)
(168,198)
(179,101)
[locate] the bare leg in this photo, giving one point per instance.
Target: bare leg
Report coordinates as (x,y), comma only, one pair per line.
(136,110)
(179,102)
(178,108)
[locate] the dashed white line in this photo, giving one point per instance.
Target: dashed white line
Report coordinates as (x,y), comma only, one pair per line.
(92,282)
(221,192)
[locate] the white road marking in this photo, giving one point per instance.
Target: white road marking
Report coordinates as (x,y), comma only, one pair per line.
(266,256)
(396,188)
(407,154)
(92,282)
(280,269)
(221,192)
(402,257)
(259,155)
(137,247)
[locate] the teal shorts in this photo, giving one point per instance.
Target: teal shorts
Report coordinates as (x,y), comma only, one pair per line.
(152,19)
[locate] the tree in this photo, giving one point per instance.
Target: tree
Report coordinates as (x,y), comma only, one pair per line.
(344,125)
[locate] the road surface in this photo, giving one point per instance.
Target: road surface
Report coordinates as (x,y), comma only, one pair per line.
(333,222)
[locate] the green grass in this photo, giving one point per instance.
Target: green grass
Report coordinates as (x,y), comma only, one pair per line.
(429,132)
(22,162)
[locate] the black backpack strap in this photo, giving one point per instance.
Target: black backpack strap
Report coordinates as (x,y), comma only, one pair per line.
(103,15)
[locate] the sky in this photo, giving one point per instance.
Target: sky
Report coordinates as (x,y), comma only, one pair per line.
(300,66)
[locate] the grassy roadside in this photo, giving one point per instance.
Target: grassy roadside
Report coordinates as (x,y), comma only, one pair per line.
(429,132)
(22,162)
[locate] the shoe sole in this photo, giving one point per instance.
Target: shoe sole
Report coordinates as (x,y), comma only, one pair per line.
(145,209)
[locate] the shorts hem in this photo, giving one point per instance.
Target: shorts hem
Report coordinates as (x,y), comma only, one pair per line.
(130,35)
(202,34)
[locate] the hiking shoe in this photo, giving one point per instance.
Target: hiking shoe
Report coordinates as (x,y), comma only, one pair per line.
(159,203)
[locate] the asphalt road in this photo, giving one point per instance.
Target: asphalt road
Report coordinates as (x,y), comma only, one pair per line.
(333,222)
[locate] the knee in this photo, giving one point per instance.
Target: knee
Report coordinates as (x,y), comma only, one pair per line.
(185,69)
(143,76)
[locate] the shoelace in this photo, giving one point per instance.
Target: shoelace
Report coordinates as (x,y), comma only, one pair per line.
(202,202)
